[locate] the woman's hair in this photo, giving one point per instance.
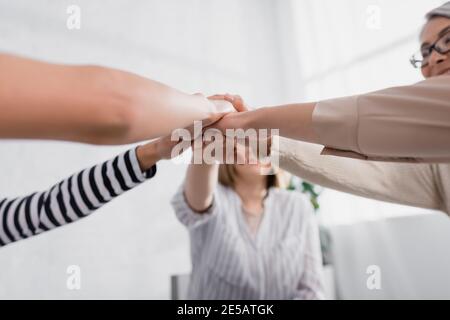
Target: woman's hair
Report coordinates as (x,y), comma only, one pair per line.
(442,11)
(228,175)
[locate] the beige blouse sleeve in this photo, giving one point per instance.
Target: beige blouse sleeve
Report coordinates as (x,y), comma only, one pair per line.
(408,124)
(403,183)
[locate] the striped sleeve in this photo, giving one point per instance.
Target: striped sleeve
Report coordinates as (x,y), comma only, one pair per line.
(71,199)
(311,285)
(186,215)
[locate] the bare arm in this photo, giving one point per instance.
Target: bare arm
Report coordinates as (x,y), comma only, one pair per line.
(201,180)
(293,121)
(89,104)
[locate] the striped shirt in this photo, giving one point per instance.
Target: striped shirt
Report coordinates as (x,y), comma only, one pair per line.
(283,260)
(71,199)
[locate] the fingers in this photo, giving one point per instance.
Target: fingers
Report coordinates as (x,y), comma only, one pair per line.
(217,97)
(236,100)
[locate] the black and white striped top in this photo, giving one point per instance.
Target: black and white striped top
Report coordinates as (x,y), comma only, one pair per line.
(71,199)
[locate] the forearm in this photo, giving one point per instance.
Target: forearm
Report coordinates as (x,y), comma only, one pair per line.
(147,155)
(89,104)
(156,109)
(293,121)
(48,101)
(199,186)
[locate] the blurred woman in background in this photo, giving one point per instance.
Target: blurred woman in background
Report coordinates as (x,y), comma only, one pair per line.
(250,238)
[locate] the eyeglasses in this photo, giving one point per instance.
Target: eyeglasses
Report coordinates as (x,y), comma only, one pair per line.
(422,58)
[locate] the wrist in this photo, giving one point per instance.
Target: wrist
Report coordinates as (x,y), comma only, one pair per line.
(252,119)
(147,155)
(198,160)
(207,105)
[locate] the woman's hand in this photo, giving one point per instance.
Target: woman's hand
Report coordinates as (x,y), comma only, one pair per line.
(244,119)
(201,179)
(230,120)
(233,121)
(217,109)
(152,152)
(224,104)
(236,100)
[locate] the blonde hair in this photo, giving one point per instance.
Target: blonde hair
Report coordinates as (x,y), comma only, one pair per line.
(228,175)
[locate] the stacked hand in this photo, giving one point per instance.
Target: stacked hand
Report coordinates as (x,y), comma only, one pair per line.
(229,112)
(238,120)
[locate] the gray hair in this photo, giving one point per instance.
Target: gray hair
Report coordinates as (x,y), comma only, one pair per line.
(442,11)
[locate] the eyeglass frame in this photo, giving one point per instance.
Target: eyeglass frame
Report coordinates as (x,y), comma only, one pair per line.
(430,51)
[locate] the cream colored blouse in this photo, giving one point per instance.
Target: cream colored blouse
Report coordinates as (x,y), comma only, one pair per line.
(422,185)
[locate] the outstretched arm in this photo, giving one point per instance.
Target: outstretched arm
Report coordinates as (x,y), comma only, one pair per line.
(407,124)
(376,180)
(90,104)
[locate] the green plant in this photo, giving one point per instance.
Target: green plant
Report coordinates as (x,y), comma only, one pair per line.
(297,184)
(306,188)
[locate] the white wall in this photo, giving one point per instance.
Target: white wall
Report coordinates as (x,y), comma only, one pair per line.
(396,258)
(129,248)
